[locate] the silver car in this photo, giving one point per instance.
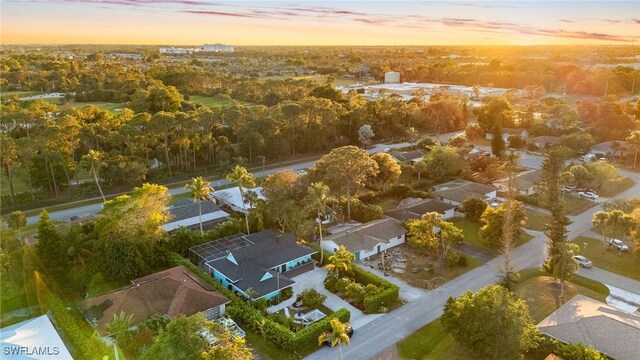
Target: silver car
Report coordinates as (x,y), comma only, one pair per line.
(619,245)
(583,261)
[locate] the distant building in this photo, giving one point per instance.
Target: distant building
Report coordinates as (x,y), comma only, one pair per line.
(132,56)
(408,157)
(217,48)
(611,148)
(392,77)
(527,182)
(544,141)
(178,51)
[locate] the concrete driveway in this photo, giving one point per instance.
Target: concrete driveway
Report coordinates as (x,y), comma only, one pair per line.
(315,280)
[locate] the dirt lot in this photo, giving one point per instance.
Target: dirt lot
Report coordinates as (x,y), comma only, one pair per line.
(420,270)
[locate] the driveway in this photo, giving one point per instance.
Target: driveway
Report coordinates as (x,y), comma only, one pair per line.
(314,279)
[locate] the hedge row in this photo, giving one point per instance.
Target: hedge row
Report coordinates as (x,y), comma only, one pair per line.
(249,317)
(317,255)
(548,346)
(83,345)
(374,302)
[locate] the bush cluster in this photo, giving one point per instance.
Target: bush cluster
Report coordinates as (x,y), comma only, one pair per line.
(379,294)
(83,345)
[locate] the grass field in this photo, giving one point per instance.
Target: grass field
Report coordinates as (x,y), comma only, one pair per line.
(535,220)
(611,190)
(471,231)
(575,205)
(602,256)
(214,101)
(431,342)
(109,106)
(534,287)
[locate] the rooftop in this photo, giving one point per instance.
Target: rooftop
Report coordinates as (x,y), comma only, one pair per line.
(583,320)
(173,291)
(460,190)
(32,334)
(187,213)
(368,235)
(404,156)
(416,210)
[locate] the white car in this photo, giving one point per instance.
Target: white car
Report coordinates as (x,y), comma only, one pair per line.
(619,245)
(302,172)
(588,194)
(568,188)
(583,261)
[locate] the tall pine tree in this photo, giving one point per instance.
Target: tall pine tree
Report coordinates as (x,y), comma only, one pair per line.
(49,247)
(556,228)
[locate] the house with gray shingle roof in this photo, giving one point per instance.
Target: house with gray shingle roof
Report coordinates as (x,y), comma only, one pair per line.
(367,239)
(416,209)
(408,157)
(259,265)
(186,213)
(455,192)
(592,323)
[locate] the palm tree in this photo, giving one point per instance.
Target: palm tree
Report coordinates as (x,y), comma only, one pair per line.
(317,197)
(119,326)
(200,191)
(243,178)
(634,141)
(338,335)
(93,161)
(78,246)
(601,218)
(341,260)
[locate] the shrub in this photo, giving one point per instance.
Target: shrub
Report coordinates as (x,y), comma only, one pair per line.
(373,302)
(398,190)
(312,299)
(453,258)
(317,255)
(84,345)
(363,212)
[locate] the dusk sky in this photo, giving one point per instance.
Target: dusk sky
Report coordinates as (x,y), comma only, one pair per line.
(184,22)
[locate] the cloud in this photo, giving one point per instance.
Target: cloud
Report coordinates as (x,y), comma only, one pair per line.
(481,5)
(567,21)
(222,13)
(637,21)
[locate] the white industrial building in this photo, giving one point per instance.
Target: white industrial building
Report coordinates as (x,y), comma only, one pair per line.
(217,48)
(392,77)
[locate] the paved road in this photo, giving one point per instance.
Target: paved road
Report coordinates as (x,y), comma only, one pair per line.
(402,322)
(613,279)
(393,327)
(86,210)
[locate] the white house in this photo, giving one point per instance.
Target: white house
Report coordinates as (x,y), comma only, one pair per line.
(506,133)
(367,239)
(455,192)
(217,48)
(526,182)
(32,339)
(231,197)
(391,77)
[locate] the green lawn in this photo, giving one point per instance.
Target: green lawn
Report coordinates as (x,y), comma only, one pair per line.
(602,256)
(615,188)
(535,220)
(265,348)
(109,106)
(575,205)
(431,342)
(99,285)
(214,100)
(471,231)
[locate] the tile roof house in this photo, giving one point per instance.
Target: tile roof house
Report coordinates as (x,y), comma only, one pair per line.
(614,333)
(186,213)
(264,262)
(170,292)
(414,210)
(409,157)
(455,192)
(367,239)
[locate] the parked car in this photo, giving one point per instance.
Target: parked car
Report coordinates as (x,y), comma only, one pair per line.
(588,194)
(619,245)
(583,261)
(568,188)
(585,190)
(349,334)
(302,172)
